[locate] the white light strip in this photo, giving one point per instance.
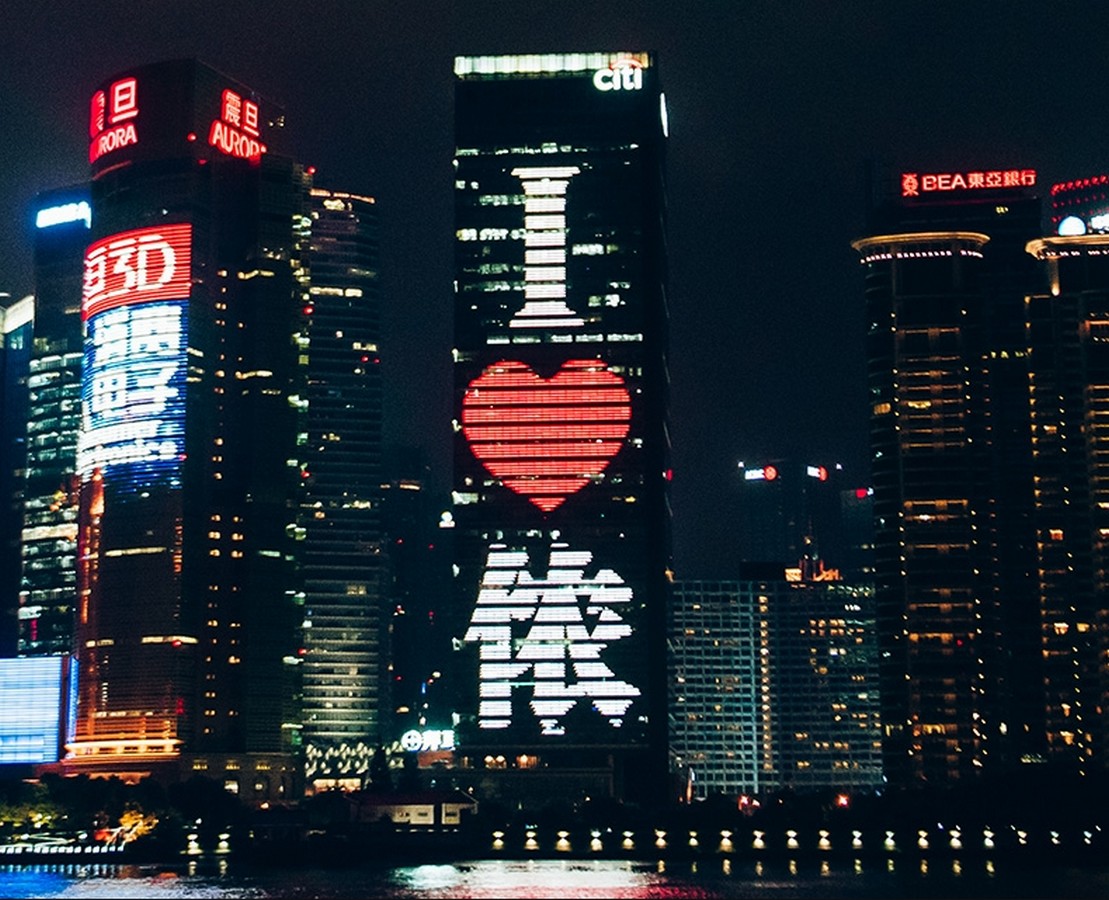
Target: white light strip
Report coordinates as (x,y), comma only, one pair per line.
(539,63)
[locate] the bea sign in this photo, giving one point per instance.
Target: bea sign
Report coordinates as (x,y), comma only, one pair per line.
(622,75)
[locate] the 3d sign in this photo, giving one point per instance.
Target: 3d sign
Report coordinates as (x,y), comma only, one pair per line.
(136,267)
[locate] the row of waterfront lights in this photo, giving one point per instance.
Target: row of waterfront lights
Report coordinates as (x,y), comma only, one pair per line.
(759,839)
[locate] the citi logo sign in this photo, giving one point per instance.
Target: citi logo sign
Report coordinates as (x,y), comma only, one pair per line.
(622,75)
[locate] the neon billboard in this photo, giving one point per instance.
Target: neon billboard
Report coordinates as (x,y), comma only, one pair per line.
(174,110)
(112,116)
(914,184)
(236,131)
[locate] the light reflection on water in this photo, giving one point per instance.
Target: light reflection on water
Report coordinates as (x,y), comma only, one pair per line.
(711,879)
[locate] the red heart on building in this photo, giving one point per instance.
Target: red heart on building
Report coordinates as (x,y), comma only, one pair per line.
(546,438)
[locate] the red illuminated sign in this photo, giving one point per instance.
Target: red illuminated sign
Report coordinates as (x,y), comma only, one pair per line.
(914,184)
(545,438)
(236,131)
(110,118)
(138,266)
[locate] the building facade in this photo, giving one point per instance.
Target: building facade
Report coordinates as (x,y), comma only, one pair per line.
(189,610)
(48,590)
(774,686)
(1068,330)
(342,559)
(957,612)
(562,542)
(16,328)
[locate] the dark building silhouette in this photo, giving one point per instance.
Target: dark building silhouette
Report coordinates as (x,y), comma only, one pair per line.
(790,513)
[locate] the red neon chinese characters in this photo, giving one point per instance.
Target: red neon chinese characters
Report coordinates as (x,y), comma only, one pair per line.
(235,132)
(913,185)
(110,115)
(545,438)
(138,266)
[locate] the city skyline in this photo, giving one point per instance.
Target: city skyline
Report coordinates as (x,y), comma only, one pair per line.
(773,118)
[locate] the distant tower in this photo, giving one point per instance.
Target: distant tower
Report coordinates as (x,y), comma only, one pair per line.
(562,544)
(48,595)
(342,560)
(790,514)
(1068,330)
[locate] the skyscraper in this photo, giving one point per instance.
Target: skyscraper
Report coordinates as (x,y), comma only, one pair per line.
(774,686)
(342,560)
(48,591)
(790,513)
(562,544)
(1068,331)
(16,326)
(189,616)
(957,612)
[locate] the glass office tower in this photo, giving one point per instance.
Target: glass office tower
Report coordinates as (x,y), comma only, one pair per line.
(562,539)
(342,558)
(48,591)
(16,327)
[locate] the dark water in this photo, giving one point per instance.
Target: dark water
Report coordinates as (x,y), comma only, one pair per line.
(566,879)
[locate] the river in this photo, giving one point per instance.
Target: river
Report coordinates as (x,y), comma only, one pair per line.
(564,879)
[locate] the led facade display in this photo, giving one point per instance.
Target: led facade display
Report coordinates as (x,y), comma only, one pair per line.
(545,438)
(137,267)
(133,389)
(561,519)
(35,704)
(549,635)
(133,383)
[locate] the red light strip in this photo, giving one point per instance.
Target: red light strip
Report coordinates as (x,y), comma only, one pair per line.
(564,450)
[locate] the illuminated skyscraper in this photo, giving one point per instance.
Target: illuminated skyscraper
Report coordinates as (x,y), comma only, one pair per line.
(774,686)
(189,616)
(957,611)
(16,325)
(1068,337)
(342,563)
(48,592)
(562,544)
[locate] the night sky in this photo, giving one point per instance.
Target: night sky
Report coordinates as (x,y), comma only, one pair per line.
(775,109)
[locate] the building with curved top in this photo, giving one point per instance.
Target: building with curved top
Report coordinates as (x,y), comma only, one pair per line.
(947,366)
